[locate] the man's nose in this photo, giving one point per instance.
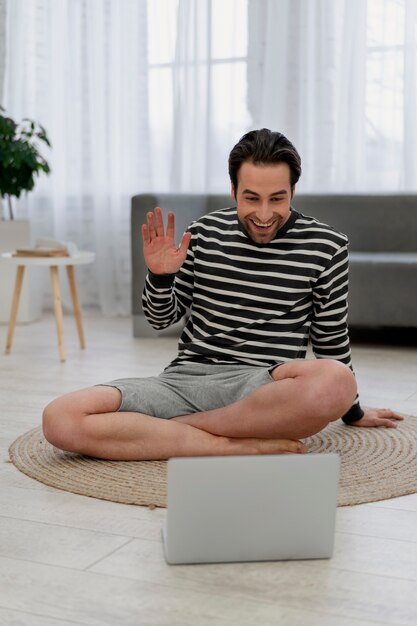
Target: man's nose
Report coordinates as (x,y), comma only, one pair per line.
(264,212)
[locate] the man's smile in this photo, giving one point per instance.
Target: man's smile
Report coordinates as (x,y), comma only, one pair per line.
(258,229)
(262,224)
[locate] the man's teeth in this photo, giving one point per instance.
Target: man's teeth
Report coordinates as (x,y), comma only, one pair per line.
(262,225)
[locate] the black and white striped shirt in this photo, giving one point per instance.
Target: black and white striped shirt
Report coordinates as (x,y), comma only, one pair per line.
(257,304)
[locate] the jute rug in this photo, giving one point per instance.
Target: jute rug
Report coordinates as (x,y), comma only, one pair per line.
(376,464)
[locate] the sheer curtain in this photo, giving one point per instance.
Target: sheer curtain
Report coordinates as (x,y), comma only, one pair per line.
(80,68)
(197,82)
(339,77)
(2,45)
(136,96)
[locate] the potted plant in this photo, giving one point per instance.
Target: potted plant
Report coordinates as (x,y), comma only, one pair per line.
(20,158)
(20,162)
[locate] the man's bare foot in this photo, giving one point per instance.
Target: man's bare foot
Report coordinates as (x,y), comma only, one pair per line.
(270,446)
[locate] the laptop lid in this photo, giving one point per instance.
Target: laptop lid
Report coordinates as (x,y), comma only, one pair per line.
(251,508)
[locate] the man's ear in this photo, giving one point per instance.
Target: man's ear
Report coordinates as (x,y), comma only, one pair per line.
(233,191)
(292,192)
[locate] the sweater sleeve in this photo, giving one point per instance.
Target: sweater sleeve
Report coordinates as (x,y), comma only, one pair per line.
(329,330)
(167,297)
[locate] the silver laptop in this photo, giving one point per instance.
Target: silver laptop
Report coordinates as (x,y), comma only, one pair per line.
(251,508)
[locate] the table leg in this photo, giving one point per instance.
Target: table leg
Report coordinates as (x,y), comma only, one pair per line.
(76,304)
(15,305)
(58,310)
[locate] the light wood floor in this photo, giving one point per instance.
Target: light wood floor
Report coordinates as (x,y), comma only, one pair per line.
(68,559)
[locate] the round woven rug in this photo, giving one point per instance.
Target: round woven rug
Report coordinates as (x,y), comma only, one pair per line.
(376,464)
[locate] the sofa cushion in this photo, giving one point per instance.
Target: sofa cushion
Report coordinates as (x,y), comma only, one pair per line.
(373,223)
(382,289)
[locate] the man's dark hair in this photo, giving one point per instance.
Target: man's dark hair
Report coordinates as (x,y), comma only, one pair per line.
(264,147)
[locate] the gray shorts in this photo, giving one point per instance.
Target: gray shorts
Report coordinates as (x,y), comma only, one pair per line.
(190,388)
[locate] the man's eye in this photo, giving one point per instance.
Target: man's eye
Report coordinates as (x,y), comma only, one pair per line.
(251,198)
(277,199)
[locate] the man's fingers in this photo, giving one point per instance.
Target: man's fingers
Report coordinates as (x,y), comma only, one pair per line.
(159,222)
(395,416)
(171,226)
(156,224)
(391,414)
(381,422)
(145,234)
(185,242)
(151,225)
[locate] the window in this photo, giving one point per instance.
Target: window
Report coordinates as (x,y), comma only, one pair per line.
(212,36)
(391,45)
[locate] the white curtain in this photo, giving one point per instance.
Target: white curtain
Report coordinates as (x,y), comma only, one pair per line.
(339,78)
(80,68)
(197,78)
(136,96)
(192,93)
(2,45)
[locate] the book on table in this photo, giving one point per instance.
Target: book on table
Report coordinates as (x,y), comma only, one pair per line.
(46,247)
(40,252)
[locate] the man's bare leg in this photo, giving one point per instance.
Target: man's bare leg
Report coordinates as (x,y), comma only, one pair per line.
(87,422)
(306,396)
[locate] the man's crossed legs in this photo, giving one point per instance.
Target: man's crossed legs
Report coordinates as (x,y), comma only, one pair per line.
(302,398)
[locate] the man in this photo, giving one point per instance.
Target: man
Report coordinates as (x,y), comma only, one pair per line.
(256,281)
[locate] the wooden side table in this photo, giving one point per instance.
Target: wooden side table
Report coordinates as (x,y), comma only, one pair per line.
(81,258)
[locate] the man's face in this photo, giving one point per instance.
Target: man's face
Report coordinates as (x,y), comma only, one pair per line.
(263,197)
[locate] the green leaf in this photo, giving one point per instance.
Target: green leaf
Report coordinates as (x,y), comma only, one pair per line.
(20,158)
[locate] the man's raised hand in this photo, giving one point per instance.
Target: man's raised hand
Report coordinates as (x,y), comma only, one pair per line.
(161,254)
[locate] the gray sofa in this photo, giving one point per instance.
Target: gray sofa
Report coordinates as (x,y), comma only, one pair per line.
(382,231)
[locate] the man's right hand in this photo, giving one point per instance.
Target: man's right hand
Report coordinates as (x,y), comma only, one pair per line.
(159,249)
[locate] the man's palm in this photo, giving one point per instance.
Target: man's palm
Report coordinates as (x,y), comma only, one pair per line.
(159,249)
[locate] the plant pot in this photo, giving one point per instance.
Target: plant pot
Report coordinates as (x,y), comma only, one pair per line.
(16,234)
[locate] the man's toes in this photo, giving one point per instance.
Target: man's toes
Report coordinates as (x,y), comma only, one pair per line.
(288,446)
(298,447)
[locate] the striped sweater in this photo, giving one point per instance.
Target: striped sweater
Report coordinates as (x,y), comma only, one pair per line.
(256,304)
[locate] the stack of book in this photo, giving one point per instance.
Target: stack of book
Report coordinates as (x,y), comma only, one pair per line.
(48,248)
(40,252)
